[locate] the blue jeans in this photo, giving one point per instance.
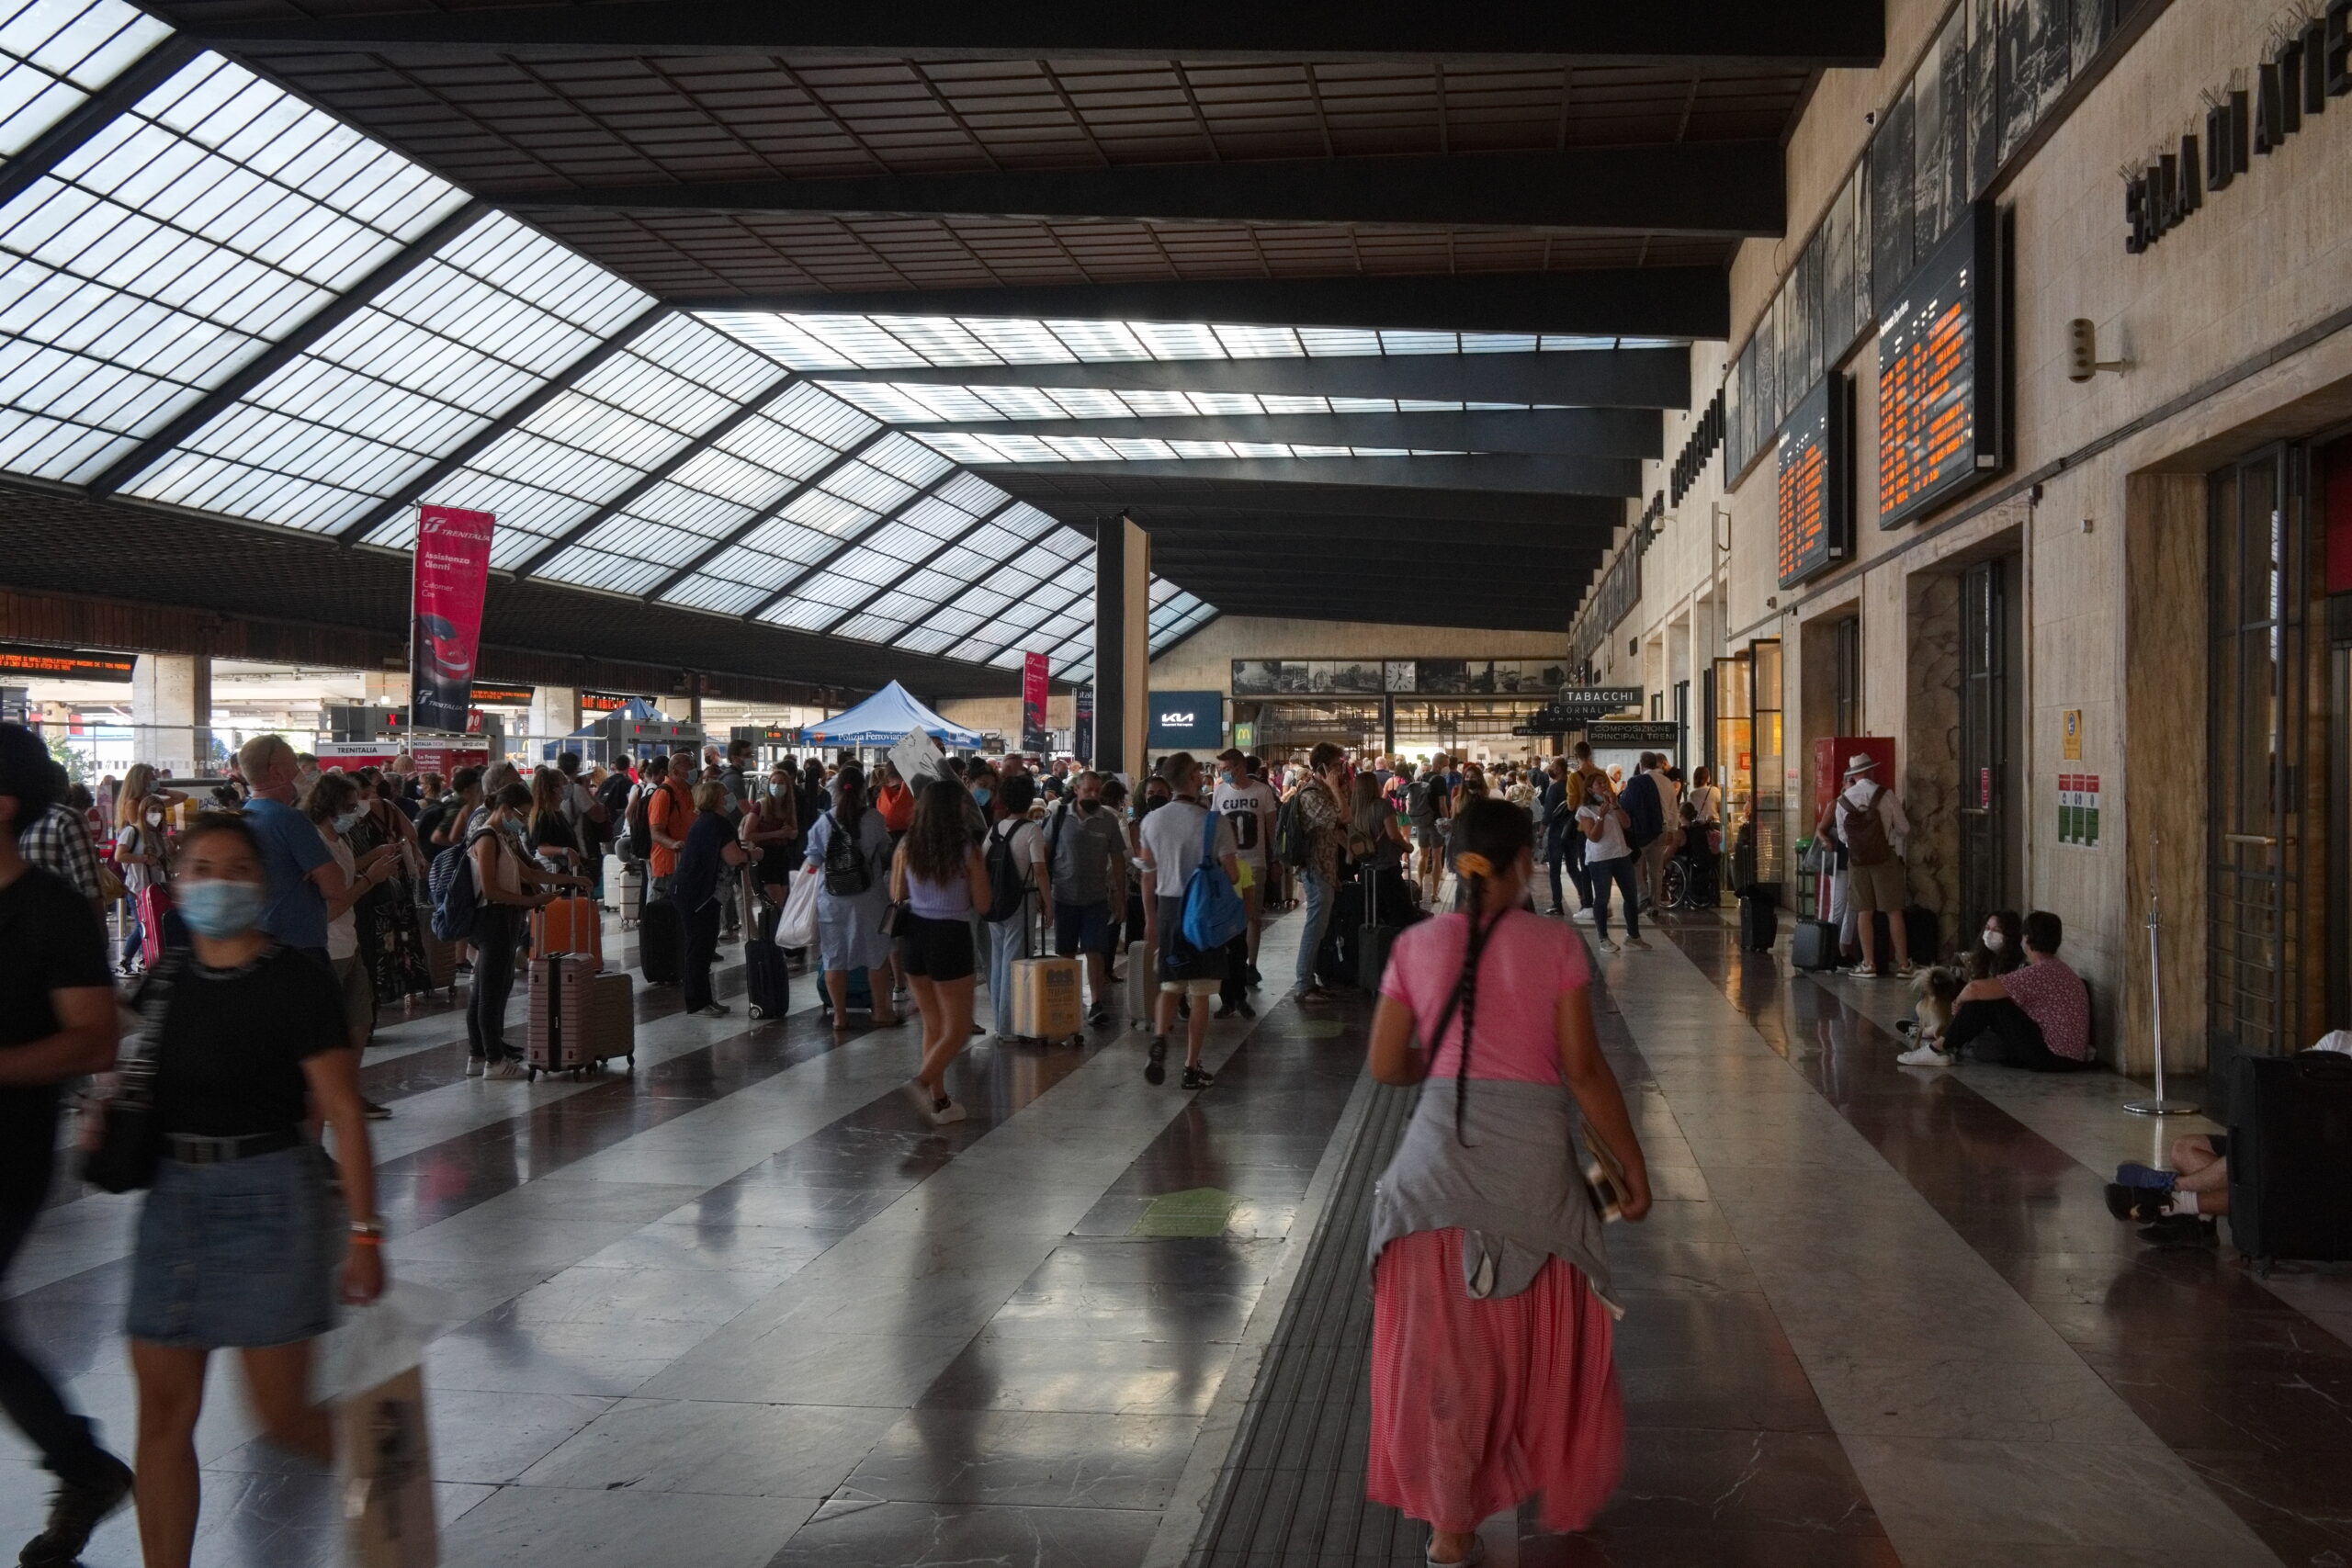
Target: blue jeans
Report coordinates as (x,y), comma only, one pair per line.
(1620,870)
(1317,892)
(1008,939)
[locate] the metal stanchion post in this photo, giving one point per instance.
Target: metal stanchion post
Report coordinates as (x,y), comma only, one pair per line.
(2160,1105)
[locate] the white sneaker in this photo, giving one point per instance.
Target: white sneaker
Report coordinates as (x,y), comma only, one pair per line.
(1609,946)
(509,1069)
(1859,972)
(1639,945)
(1924,1056)
(474,1066)
(943,1110)
(1583,917)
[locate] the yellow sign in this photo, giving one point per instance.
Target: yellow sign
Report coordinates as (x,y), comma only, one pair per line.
(2074,722)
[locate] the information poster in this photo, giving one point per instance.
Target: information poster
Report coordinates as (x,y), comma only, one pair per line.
(2078,809)
(445,626)
(1034,690)
(1938,377)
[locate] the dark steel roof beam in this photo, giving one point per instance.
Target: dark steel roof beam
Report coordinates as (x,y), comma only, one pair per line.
(1083,498)
(178,430)
(1510,473)
(655,475)
(1721,189)
(1640,302)
(1605,378)
(1277,529)
(1695,33)
(1566,433)
(412,492)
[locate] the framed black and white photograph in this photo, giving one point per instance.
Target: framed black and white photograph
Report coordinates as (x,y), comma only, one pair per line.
(1350,675)
(1446,677)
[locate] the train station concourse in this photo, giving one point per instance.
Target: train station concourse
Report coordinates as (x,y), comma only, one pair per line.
(1201,787)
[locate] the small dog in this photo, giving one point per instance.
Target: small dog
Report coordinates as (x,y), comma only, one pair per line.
(1935,991)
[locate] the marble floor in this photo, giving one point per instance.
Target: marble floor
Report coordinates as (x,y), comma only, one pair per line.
(739,1307)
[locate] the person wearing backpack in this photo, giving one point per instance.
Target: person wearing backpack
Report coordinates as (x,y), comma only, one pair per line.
(1087,851)
(1015,857)
(669,813)
(1320,828)
(1173,838)
(505,889)
(1869,820)
(849,847)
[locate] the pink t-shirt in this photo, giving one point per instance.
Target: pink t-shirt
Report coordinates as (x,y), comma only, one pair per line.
(2053,997)
(1529,962)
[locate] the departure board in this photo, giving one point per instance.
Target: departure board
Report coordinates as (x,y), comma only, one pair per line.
(1939,430)
(1816,506)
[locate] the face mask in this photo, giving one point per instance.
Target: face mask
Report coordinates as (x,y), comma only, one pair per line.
(345,822)
(154,819)
(1994,939)
(1089,807)
(219,909)
(981,795)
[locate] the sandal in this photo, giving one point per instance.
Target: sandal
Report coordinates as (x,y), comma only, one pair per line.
(1314,996)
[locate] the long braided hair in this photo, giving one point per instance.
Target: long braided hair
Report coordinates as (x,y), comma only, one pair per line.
(1494,834)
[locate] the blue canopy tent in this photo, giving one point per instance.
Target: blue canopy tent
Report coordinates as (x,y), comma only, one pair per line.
(882,718)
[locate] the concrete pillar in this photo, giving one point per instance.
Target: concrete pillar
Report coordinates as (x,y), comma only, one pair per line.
(170,707)
(555,712)
(1122,645)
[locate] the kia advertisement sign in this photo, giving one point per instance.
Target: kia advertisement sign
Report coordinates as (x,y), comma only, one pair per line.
(445,630)
(1033,702)
(1187,721)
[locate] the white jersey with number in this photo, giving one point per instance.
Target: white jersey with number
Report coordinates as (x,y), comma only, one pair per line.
(1249,810)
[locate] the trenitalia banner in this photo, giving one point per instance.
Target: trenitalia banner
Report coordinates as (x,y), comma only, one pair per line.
(444,625)
(1033,702)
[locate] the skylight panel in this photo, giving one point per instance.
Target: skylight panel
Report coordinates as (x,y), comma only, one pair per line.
(1020,402)
(971,493)
(779,338)
(963,446)
(1499,343)
(1146,404)
(1018,342)
(1087,448)
(857,338)
(1404,342)
(820,416)
(1179,340)
(716,595)
(193,230)
(1336,343)
(1258,343)
(55,53)
(583,566)
(905,405)
(1097,342)
(869,628)
(940,339)
(926,639)
(827,514)
(904,459)
(867,487)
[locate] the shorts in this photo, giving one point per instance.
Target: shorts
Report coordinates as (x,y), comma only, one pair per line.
(358,989)
(1426,835)
(1876,888)
(935,950)
(240,1255)
(1081,927)
(1182,969)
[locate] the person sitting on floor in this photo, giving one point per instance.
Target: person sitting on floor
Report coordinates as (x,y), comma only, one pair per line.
(2179,1204)
(2036,1016)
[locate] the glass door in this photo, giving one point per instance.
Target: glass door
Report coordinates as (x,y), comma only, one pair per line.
(1764,706)
(1986,744)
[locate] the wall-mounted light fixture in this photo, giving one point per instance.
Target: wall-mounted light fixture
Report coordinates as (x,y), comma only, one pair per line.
(2082,350)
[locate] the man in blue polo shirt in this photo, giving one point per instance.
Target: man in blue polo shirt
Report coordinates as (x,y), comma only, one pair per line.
(302,873)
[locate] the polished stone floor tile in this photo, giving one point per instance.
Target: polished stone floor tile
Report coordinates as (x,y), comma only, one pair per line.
(541,1526)
(857,1534)
(1046,1459)
(725,1448)
(1687,1478)
(1019,1372)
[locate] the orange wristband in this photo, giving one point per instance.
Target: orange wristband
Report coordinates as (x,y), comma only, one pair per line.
(366,1241)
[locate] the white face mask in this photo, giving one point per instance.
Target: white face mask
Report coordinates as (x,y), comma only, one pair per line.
(1994,939)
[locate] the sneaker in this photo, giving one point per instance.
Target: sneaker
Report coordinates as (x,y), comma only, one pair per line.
(1905,1025)
(2134,1175)
(1101,1017)
(1859,972)
(1246,1010)
(1251,975)
(1905,972)
(1154,1060)
(1199,1077)
(1639,945)
(1554,911)
(716,1009)
(474,1066)
(917,1096)
(1226,1010)
(509,1069)
(1924,1056)
(1609,946)
(942,1111)
(2181,1230)
(74,1512)
(1582,917)
(2144,1205)
(376,1110)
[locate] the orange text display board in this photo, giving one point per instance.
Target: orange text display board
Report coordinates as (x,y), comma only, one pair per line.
(1815,507)
(1937,379)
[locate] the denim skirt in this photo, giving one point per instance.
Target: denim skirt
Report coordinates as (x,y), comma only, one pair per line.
(243,1255)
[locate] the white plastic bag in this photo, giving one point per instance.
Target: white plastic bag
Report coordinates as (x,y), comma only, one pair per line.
(799,926)
(374,1367)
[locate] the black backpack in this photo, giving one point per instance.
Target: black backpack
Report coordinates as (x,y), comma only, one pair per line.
(1291,840)
(1417,805)
(641,825)
(846,873)
(1007,887)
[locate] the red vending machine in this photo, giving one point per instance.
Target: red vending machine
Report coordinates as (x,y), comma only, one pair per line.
(1830,755)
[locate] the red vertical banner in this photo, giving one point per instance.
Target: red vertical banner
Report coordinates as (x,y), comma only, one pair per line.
(1033,702)
(445,621)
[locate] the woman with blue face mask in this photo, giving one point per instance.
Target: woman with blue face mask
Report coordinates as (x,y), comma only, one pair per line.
(242,1243)
(334,809)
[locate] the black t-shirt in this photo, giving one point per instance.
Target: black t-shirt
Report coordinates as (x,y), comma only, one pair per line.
(228,1057)
(53,942)
(552,832)
(696,886)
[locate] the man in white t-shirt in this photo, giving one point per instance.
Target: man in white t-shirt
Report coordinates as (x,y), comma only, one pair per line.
(1250,808)
(1171,839)
(1607,862)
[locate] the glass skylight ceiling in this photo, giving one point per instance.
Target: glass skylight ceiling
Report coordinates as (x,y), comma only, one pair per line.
(57,54)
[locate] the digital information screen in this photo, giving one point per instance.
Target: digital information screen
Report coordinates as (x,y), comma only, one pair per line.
(1939,430)
(1816,506)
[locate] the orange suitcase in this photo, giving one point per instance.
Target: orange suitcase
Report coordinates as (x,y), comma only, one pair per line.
(569,925)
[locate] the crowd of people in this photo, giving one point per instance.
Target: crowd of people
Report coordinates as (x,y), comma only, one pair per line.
(312,899)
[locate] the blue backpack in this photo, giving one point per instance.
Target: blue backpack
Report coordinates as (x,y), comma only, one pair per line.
(1213,913)
(451,888)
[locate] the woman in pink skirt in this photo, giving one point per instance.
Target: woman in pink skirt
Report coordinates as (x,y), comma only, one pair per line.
(1491,1379)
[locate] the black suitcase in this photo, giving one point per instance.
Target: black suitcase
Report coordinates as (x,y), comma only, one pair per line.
(1334,961)
(1814,946)
(1923,932)
(1760,921)
(767,980)
(2291,1158)
(1373,939)
(661,941)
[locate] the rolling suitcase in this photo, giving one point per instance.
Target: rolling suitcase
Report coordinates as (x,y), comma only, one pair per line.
(1046,999)
(159,927)
(661,941)
(768,981)
(1373,939)
(2291,1158)
(1759,918)
(1143,984)
(568,925)
(1814,946)
(861,993)
(440,958)
(632,887)
(579,1016)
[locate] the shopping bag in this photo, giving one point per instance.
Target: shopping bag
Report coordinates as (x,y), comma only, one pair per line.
(382,1442)
(799,926)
